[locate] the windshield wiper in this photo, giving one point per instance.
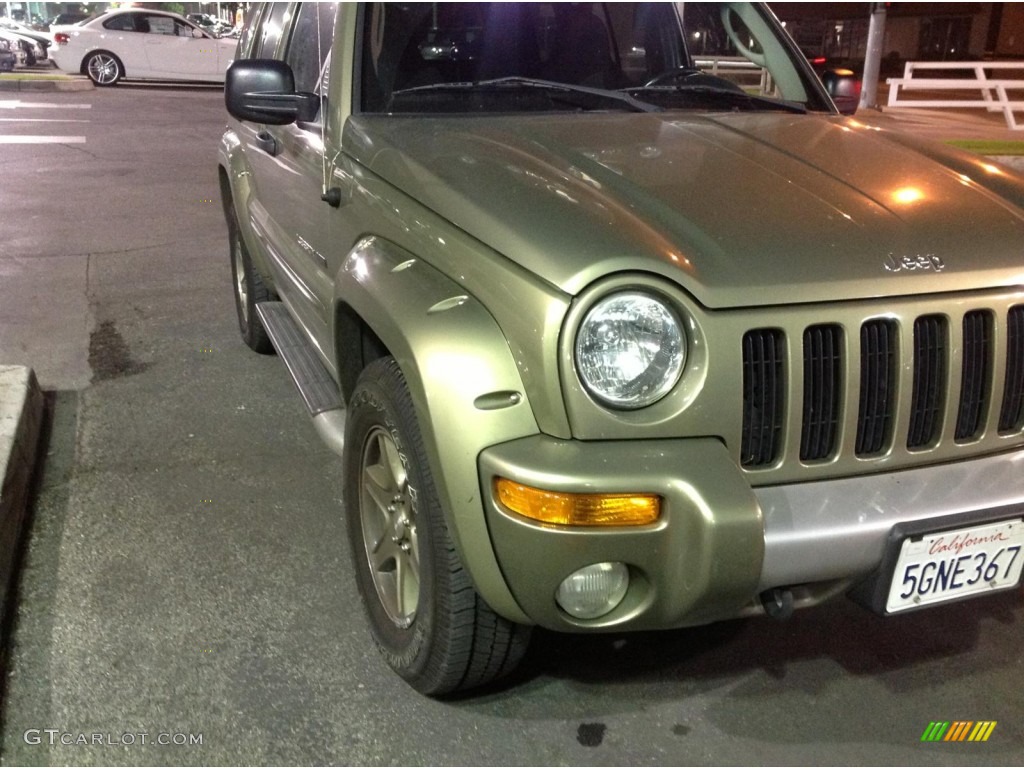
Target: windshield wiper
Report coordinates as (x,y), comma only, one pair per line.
(731,94)
(530,82)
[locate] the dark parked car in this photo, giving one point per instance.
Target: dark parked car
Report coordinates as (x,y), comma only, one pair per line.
(35,44)
(7,58)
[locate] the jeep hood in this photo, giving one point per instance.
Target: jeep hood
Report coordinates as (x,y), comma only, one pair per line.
(740,209)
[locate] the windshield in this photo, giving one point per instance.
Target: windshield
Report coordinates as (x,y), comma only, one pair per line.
(512,57)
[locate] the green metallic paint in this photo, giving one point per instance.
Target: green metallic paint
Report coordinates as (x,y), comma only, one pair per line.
(708,400)
(235,167)
(528,310)
(700,562)
(805,207)
(450,358)
(509,227)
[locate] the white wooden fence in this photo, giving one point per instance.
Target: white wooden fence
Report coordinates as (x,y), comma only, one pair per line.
(739,70)
(993,89)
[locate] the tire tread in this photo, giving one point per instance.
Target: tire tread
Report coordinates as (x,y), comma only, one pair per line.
(471,645)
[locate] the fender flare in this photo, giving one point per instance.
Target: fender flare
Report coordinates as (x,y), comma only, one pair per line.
(464,383)
(235,179)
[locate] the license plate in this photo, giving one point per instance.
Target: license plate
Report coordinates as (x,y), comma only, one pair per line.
(938,567)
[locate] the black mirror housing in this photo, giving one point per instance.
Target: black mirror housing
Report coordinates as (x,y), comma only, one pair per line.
(263,91)
(844,87)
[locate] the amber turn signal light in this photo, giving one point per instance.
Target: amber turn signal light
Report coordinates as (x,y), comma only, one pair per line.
(589,509)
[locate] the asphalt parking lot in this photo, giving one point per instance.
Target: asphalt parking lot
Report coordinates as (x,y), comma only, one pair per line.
(186,595)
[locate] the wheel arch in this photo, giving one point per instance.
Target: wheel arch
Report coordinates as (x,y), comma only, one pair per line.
(233,176)
(460,372)
(94,51)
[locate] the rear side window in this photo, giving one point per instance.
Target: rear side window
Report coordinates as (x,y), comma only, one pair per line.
(123,22)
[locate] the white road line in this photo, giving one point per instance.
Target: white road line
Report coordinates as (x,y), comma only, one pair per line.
(42,139)
(39,120)
(40,105)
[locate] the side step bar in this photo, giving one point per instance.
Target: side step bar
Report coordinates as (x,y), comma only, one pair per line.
(314,382)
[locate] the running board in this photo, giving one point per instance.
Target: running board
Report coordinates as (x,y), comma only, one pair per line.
(314,382)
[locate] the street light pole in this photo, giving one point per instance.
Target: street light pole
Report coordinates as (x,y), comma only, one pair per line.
(873,56)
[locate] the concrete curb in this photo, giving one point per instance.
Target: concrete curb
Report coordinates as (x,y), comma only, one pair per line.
(35,86)
(21,419)
(1013,161)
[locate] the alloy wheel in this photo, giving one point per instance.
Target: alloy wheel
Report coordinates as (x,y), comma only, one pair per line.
(389,527)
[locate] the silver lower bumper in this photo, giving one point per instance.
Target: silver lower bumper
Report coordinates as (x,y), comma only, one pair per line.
(837,528)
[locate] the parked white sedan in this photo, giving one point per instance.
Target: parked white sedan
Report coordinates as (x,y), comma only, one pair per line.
(141,44)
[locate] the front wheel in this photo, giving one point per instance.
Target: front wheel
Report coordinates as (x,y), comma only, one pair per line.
(103,68)
(249,290)
(428,621)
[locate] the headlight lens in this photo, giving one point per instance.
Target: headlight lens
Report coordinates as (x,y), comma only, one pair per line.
(630,350)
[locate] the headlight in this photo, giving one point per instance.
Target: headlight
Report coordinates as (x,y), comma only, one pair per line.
(630,350)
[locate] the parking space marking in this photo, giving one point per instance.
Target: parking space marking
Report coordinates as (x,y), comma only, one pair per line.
(42,139)
(12,104)
(18,104)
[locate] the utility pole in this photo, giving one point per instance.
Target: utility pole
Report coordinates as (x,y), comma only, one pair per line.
(873,56)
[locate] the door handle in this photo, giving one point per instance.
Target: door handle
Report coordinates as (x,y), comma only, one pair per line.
(267,143)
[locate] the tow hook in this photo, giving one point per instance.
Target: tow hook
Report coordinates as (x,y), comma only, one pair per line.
(777,603)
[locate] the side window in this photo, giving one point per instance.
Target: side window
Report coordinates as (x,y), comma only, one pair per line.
(158,25)
(274,23)
(311,38)
(182,30)
(125,22)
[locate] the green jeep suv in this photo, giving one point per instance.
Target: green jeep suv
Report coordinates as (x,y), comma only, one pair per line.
(617,324)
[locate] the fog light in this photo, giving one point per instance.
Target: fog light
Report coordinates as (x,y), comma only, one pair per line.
(593,591)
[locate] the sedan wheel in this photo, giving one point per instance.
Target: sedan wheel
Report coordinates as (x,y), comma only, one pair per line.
(103,68)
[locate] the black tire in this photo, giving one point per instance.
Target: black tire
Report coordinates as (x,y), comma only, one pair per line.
(428,621)
(249,291)
(103,68)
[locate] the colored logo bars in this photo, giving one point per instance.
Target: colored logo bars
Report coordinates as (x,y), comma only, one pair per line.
(959,730)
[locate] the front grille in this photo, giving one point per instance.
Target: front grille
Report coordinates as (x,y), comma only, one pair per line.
(1012,413)
(823,379)
(878,345)
(976,381)
(904,389)
(929,380)
(763,396)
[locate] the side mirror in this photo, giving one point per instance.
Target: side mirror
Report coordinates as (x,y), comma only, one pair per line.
(843,86)
(197,33)
(263,91)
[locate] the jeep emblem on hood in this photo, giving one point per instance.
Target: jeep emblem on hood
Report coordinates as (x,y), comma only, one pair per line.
(913,263)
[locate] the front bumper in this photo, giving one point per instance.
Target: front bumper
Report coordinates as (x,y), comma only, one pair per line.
(719,543)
